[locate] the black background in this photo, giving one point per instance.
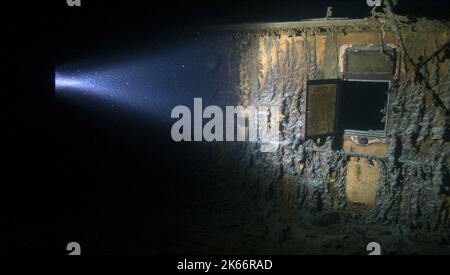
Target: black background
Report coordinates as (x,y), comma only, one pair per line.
(74,175)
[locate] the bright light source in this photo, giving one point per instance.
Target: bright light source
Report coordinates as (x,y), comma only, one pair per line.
(63,82)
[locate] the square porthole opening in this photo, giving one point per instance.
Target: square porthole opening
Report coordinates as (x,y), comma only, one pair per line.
(364,107)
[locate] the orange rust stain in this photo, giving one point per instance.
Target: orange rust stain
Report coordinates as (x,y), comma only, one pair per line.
(362,175)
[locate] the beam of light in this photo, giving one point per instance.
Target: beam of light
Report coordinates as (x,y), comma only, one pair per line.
(126,85)
(73,82)
(62,82)
(142,81)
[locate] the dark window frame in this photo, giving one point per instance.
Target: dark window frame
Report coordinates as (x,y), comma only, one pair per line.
(386,77)
(374,134)
(336,129)
(370,76)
